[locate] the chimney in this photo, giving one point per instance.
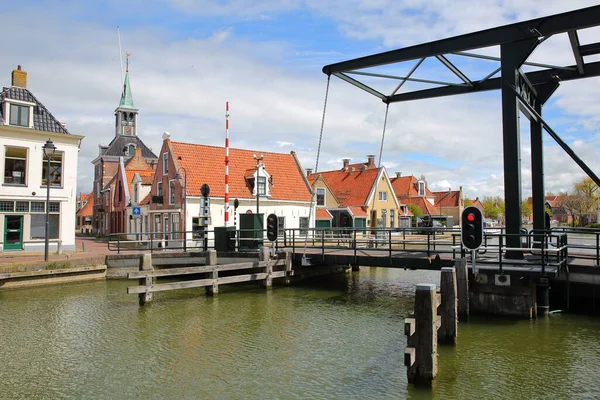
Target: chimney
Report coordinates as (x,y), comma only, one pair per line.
(19,77)
(398,174)
(371,161)
(308,172)
(346,162)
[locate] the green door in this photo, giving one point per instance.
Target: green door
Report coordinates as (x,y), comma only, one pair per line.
(13,232)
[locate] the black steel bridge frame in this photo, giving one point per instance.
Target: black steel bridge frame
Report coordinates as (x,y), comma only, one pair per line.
(526,92)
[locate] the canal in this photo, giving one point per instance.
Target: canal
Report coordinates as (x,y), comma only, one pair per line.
(341,337)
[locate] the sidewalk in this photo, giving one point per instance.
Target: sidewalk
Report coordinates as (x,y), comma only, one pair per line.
(86,247)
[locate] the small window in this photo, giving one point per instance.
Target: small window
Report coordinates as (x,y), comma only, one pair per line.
(320,197)
(38,226)
(165,163)
(171,192)
(19,115)
(15,165)
(159,191)
(38,206)
(392,218)
(421,188)
(280,226)
(262,185)
(56,160)
(303,225)
(54,207)
(22,206)
(131,150)
(7,206)
(382,196)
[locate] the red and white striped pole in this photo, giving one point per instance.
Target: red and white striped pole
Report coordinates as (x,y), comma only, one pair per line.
(226,163)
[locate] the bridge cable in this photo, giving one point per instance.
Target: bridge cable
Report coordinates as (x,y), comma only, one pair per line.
(387,108)
(312,197)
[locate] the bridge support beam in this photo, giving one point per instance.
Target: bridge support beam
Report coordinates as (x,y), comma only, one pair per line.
(211,259)
(543,297)
(513,55)
(145,265)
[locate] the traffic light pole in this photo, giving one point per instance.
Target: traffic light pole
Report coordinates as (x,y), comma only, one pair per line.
(473,264)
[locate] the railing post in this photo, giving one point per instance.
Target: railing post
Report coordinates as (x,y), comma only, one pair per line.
(322,244)
(428,243)
(404,239)
(500,253)
(118,244)
(597,249)
(185,242)
(390,244)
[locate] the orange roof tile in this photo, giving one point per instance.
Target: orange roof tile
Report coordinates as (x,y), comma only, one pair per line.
(407,186)
(206,164)
(146,200)
(323,214)
(447,199)
(426,207)
(357,211)
(350,188)
(83,196)
(88,209)
(147,175)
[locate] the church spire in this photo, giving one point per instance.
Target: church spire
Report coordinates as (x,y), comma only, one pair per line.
(126,113)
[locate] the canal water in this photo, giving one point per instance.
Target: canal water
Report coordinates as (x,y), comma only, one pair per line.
(338,338)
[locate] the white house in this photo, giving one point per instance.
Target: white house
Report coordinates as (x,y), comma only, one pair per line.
(183,168)
(25,126)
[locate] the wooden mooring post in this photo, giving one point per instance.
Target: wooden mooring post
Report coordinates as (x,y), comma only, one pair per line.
(145,265)
(433,311)
(462,282)
(211,259)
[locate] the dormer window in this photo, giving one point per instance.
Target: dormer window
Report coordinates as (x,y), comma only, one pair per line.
(130,149)
(262,185)
(19,115)
(421,187)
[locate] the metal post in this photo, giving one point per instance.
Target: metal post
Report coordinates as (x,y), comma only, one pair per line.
(47,233)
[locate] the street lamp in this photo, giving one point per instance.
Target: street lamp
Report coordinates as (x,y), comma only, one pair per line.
(258,164)
(184,198)
(49,150)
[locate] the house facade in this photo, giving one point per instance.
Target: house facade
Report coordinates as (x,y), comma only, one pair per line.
(25,126)
(412,191)
(124,145)
(357,195)
(450,203)
(183,168)
(85,212)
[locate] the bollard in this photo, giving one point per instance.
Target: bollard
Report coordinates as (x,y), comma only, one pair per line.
(462,283)
(265,255)
(211,259)
(543,297)
(288,268)
(448,309)
(145,265)
(424,368)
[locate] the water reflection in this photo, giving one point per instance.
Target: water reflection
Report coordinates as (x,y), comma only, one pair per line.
(339,337)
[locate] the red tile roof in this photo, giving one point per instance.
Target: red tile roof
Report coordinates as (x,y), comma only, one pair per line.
(407,186)
(357,211)
(350,188)
(475,203)
(206,164)
(146,200)
(144,174)
(88,209)
(323,214)
(426,207)
(83,196)
(447,199)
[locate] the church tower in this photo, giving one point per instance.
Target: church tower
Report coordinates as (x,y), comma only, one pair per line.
(126,115)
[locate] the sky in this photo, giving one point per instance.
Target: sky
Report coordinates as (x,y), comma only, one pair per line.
(265,58)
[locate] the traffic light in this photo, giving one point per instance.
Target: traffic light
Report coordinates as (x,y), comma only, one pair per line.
(472,228)
(272,227)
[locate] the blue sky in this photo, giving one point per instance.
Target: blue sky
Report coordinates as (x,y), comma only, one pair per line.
(265,58)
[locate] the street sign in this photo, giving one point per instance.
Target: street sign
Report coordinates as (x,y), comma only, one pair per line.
(136,211)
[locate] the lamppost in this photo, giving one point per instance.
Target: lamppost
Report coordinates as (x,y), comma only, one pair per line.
(258,165)
(184,198)
(49,150)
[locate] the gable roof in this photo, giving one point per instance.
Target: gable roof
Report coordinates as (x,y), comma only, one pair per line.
(88,208)
(145,175)
(119,142)
(426,207)
(447,199)
(322,213)
(476,203)
(206,164)
(406,186)
(43,120)
(350,188)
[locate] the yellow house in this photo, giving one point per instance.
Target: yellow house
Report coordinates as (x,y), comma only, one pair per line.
(357,195)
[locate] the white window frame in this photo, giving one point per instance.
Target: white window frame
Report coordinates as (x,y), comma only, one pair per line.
(382,196)
(19,107)
(53,164)
(159,188)
(171,192)
(24,177)
(165,163)
(421,188)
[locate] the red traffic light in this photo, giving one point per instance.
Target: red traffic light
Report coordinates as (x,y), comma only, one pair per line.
(470,217)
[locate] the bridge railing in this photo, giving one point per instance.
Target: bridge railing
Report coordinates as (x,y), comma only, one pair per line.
(584,243)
